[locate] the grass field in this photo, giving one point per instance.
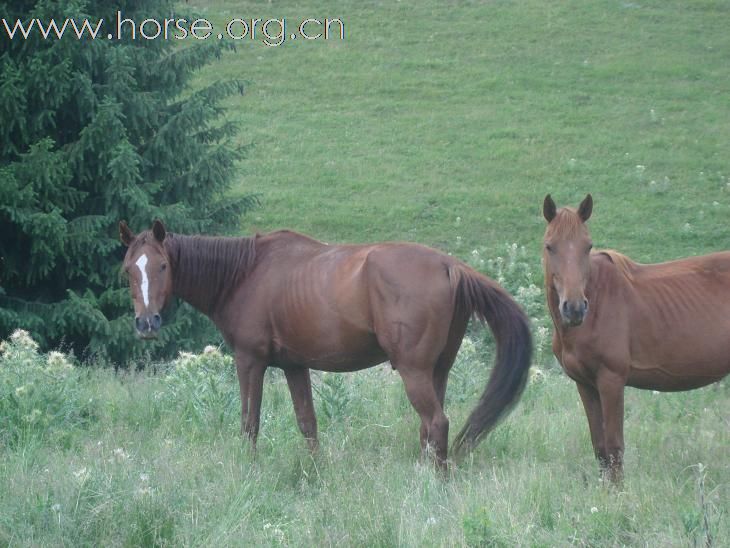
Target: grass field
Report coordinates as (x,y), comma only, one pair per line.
(427,113)
(444,123)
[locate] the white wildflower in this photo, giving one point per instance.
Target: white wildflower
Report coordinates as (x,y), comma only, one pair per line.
(57,364)
(82,474)
(185,357)
(536,374)
(120,454)
(33,416)
(22,338)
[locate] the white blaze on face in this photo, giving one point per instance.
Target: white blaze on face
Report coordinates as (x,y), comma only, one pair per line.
(145,285)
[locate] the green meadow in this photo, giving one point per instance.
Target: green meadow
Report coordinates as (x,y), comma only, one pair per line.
(443,123)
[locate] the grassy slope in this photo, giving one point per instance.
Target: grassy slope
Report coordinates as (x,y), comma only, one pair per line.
(429,112)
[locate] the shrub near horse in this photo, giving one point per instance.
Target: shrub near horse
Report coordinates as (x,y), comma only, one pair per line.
(286,300)
(619,323)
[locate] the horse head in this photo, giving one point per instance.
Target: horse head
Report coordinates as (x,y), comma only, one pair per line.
(566,258)
(147,267)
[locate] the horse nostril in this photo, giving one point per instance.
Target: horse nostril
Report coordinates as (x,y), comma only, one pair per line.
(139,323)
(585,305)
(156,322)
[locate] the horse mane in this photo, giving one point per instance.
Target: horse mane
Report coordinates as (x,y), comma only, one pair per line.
(625,265)
(567,223)
(209,265)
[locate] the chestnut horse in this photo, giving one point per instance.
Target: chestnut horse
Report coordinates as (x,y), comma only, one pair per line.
(619,323)
(286,300)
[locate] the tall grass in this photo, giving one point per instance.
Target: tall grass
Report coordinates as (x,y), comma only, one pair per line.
(153,458)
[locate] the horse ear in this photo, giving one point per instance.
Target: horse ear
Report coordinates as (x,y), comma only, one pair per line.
(158,229)
(125,233)
(548,208)
(586,208)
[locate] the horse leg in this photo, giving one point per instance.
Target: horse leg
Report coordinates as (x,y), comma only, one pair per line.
(300,387)
(434,424)
(440,379)
(243,369)
(254,385)
(592,405)
(447,358)
(611,390)
(443,367)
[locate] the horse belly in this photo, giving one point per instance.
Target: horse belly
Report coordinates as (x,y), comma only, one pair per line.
(323,355)
(681,371)
(325,341)
(658,379)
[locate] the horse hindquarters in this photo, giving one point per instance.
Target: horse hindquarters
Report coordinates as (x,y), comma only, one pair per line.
(415,356)
(412,310)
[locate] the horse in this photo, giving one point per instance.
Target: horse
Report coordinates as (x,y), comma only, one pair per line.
(286,300)
(619,323)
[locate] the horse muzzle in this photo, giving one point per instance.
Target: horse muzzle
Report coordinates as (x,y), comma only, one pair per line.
(148,325)
(573,312)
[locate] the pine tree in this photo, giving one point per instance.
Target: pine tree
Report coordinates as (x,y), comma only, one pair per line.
(91,132)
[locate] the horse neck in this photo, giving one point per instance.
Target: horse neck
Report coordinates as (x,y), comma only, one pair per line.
(205,270)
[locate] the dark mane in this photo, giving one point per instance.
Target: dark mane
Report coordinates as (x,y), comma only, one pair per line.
(209,266)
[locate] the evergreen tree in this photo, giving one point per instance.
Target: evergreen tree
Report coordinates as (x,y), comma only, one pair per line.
(91,132)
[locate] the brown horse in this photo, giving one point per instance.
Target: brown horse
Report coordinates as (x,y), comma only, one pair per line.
(619,323)
(287,300)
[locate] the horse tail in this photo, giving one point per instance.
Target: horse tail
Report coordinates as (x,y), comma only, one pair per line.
(477,295)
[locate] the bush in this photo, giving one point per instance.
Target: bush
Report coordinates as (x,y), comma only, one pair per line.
(202,389)
(40,394)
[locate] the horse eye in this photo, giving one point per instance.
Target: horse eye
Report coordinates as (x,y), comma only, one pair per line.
(163,267)
(590,246)
(549,248)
